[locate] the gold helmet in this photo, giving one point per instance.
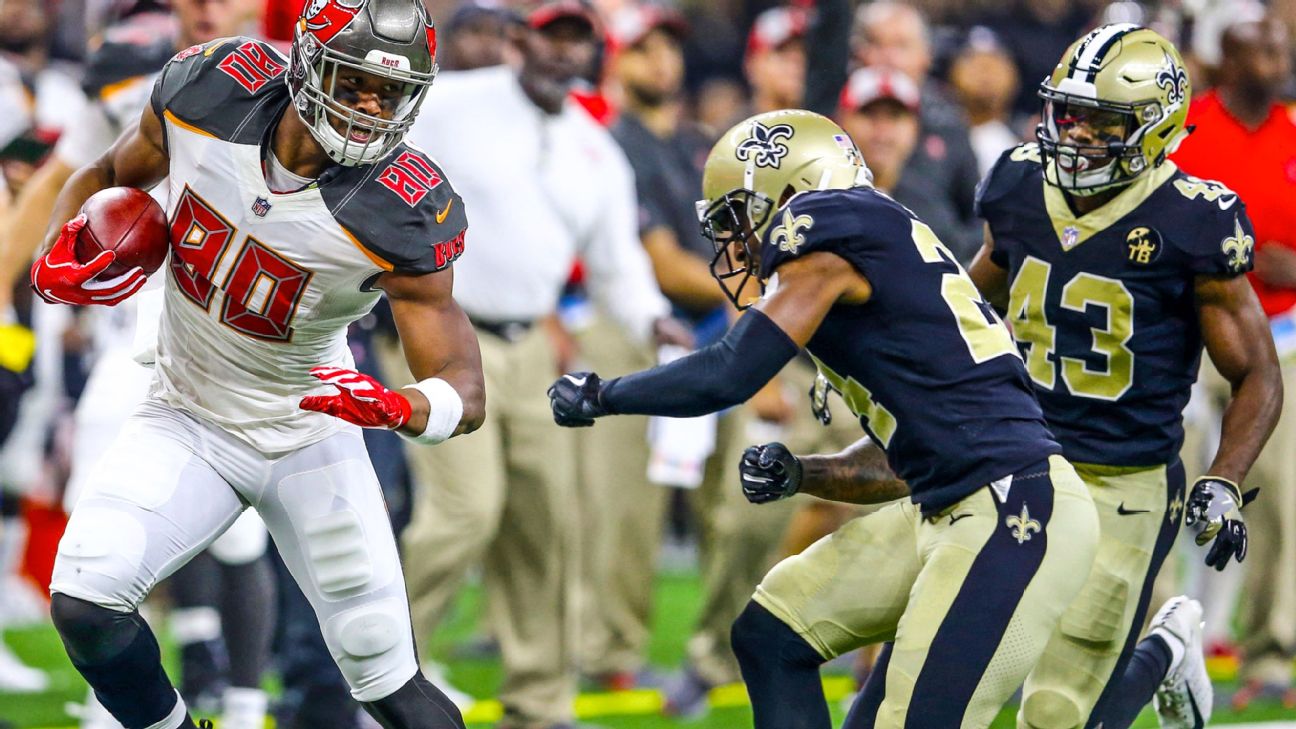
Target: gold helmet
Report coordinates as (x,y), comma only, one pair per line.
(754,169)
(1128,87)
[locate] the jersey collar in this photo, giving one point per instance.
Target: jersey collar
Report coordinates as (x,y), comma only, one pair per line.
(1072,230)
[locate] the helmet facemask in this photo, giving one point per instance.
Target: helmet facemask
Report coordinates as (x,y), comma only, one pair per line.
(733,224)
(358,138)
(1116,158)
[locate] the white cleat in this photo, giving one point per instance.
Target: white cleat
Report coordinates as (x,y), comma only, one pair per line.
(16,677)
(243,708)
(1184,698)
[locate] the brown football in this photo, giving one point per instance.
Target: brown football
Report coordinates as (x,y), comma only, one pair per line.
(128,222)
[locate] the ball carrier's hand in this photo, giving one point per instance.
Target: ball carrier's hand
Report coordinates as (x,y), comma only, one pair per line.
(58,278)
(361,400)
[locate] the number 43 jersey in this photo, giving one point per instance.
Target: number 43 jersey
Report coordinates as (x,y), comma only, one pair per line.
(925,363)
(1102,305)
(261,286)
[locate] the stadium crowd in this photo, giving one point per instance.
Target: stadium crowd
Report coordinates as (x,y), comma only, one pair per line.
(584,252)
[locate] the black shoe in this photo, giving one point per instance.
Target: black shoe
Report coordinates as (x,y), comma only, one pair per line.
(203,668)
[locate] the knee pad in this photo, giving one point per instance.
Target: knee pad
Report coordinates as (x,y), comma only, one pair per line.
(100,556)
(243,542)
(758,635)
(373,646)
(91,633)
(1051,709)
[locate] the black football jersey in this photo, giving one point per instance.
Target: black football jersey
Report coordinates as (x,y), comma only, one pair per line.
(1102,305)
(926,364)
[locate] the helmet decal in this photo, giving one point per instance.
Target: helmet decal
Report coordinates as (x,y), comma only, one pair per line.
(326,18)
(763,147)
(1174,79)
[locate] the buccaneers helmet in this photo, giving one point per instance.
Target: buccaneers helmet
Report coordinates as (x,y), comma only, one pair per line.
(1129,83)
(393,39)
(753,170)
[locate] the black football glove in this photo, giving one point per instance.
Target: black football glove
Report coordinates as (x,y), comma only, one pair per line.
(1216,504)
(769,472)
(819,399)
(575,399)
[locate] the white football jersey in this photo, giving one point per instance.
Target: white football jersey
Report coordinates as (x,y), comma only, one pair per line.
(261,285)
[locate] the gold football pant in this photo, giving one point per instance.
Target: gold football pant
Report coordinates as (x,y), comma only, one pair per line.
(1139,512)
(969,596)
(502,497)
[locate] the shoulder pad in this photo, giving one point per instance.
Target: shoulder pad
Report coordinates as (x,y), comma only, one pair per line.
(850,223)
(1219,239)
(1013,166)
(214,86)
(403,211)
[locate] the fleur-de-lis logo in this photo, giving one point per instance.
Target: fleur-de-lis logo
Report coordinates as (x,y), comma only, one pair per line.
(763,146)
(1238,246)
(1174,79)
(1022,526)
(789,236)
(1176,507)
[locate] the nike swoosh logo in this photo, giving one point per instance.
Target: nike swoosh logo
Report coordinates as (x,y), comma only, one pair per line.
(576,382)
(1126,512)
(956,517)
(441,216)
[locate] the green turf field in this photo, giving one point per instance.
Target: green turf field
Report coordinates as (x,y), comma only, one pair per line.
(677,604)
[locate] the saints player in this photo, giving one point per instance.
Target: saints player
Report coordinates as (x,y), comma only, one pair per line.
(967,575)
(293,206)
(1114,269)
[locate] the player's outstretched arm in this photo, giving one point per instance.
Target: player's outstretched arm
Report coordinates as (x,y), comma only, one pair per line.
(857,475)
(440,347)
(1236,333)
(730,371)
(990,279)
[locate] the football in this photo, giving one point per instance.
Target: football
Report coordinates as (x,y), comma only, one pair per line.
(128,222)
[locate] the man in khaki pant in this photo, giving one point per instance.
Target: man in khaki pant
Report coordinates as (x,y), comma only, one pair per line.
(545,183)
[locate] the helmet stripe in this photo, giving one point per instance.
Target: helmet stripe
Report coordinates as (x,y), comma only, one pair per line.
(1088,57)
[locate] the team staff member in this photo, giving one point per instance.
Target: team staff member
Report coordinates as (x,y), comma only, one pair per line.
(547,183)
(1247,140)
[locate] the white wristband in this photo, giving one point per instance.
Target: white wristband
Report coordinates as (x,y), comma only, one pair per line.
(444,414)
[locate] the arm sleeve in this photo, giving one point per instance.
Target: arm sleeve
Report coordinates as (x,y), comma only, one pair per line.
(827,55)
(620,275)
(711,379)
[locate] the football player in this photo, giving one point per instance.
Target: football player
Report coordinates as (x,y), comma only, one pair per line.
(1115,269)
(966,574)
(293,206)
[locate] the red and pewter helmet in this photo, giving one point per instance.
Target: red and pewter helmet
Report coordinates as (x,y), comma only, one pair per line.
(394,39)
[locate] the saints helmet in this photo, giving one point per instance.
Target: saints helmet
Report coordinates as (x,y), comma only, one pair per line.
(753,170)
(1127,79)
(394,39)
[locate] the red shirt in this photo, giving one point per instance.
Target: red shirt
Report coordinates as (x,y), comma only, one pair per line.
(1258,165)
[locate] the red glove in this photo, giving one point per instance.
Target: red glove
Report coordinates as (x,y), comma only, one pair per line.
(58,278)
(361,400)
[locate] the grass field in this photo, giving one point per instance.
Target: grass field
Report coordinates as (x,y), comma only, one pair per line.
(677,605)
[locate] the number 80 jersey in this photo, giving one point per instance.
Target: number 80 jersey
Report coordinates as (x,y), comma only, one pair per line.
(1102,305)
(261,286)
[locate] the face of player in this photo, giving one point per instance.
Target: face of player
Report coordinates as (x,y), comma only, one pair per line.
(736,265)
(886,132)
(777,76)
(366,93)
(554,57)
(1087,127)
(203,20)
(652,71)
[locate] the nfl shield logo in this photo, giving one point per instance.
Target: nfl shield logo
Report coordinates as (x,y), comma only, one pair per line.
(1070,235)
(261,207)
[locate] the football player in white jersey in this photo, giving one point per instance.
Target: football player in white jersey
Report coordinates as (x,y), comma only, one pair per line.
(293,205)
